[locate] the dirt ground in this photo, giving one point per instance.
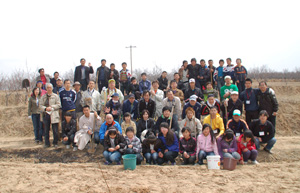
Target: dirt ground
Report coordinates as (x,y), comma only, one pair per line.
(27,167)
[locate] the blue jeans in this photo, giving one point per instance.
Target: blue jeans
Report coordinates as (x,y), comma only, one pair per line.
(221,82)
(70,140)
(269,146)
(168,156)
(112,156)
(96,137)
(233,155)
(139,157)
(202,155)
(151,157)
(37,127)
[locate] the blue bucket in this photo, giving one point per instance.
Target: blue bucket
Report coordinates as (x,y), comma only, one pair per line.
(129,161)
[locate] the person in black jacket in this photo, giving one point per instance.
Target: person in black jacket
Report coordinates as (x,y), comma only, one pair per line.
(150,147)
(147,103)
(180,84)
(53,80)
(102,74)
(133,88)
(263,131)
(232,104)
(163,81)
(193,90)
(114,74)
(69,129)
(145,125)
(203,74)
(166,117)
(193,69)
(267,101)
(82,74)
(114,146)
(114,107)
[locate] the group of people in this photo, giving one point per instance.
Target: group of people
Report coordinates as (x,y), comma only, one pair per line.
(198,113)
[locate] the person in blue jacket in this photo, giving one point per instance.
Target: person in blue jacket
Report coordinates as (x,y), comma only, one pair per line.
(131,106)
(144,84)
(170,148)
(109,122)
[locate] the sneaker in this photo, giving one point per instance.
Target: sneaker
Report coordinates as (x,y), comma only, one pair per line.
(267,150)
(75,148)
(255,162)
(107,163)
(67,146)
(245,163)
(118,163)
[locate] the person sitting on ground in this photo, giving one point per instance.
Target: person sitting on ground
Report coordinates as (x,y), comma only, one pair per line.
(193,90)
(157,96)
(193,104)
(87,123)
(34,114)
(191,122)
(227,89)
(187,147)
(127,122)
(170,148)
(133,145)
(211,101)
(91,97)
(246,148)
(146,103)
(206,144)
(232,104)
(236,124)
(263,131)
(114,146)
(173,101)
(107,93)
(144,84)
(133,88)
(166,117)
(227,146)
(145,125)
(215,121)
(69,129)
(114,107)
(109,121)
(150,147)
(131,106)
(210,91)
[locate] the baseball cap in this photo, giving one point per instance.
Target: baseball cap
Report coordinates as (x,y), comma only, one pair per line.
(237,112)
(191,80)
(76,83)
(234,92)
(227,77)
(193,97)
(131,96)
(111,80)
(115,94)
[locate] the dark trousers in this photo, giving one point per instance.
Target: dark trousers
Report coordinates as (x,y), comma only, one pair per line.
(272,119)
(96,137)
(168,156)
(190,160)
(241,86)
(102,84)
(37,127)
(250,115)
(124,87)
(47,123)
(84,84)
(70,140)
(252,155)
(139,157)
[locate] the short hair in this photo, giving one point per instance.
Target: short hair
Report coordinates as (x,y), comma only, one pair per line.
(103,60)
(132,79)
(145,92)
(262,82)
(193,59)
(172,81)
(92,81)
(164,72)
(66,80)
(127,114)
(82,59)
(112,64)
(86,106)
(144,73)
(186,129)
(202,60)
(145,111)
(248,79)
(208,83)
(168,91)
(210,60)
(55,73)
(68,114)
(228,59)
(184,61)
(238,59)
(166,108)
(112,130)
(49,84)
(214,107)
(176,73)
(264,113)
(129,129)
(40,70)
(124,63)
(221,60)
(155,81)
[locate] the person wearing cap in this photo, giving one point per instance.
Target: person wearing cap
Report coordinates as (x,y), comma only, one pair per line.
(263,131)
(191,122)
(82,74)
(211,101)
(146,103)
(131,106)
(144,84)
(114,74)
(236,124)
(109,122)
(233,103)
(248,96)
(133,88)
(113,106)
(193,90)
(209,90)
(39,85)
(203,75)
(59,86)
(78,97)
(45,78)
(193,104)
(91,97)
(108,92)
(89,124)
(193,71)
(177,92)
(173,102)
(215,121)
(102,75)
(240,74)
(219,75)
(67,97)
(157,96)
(150,147)
(230,70)
(125,76)
(227,88)
(53,80)
(166,118)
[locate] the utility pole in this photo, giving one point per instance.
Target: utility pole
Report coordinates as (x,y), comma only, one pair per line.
(131,56)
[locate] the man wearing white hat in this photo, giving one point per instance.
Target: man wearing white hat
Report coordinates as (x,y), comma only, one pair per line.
(193,90)
(236,124)
(227,88)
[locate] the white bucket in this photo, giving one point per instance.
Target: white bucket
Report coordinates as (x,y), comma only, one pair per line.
(213,162)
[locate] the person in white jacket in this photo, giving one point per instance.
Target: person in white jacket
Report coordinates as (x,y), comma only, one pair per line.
(91,97)
(157,95)
(173,101)
(192,122)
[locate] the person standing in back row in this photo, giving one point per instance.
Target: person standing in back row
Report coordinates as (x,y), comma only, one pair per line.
(82,74)
(125,76)
(230,70)
(163,82)
(193,71)
(114,74)
(102,75)
(240,74)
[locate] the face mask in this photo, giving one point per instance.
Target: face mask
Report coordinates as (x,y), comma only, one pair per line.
(114,101)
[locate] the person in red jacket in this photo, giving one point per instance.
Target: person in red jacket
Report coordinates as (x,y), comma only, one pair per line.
(246,147)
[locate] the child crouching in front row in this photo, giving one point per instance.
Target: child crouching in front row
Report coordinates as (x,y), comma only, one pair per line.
(227,146)
(246,148)
(206,144)
(150,146)
(114,145)
(187,147)
(133,145)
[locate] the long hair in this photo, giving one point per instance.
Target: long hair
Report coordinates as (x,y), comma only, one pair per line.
(248,133)
(211,132)
(170,134)
(33,90)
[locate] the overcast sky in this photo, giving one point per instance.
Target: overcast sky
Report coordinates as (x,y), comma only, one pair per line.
(56,34)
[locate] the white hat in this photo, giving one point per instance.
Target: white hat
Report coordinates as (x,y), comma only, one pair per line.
(191,80)
(193,98)
(234,92)
(227,77)
(236,112)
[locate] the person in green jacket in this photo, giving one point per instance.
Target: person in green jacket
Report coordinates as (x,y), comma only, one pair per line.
(227,88)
